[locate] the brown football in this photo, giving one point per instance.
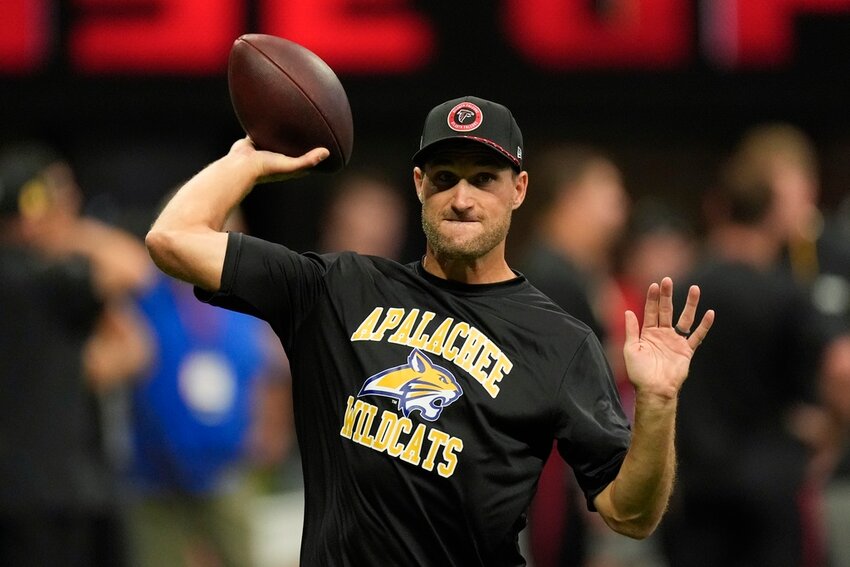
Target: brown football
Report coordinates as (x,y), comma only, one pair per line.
(289,100)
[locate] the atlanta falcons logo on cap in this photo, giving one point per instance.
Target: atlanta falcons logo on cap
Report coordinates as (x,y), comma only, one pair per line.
(465,117)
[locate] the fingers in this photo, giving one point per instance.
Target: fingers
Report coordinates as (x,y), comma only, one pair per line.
(279,163)
(688,315)
(314,156)
(658,311)
(665,303)
(686,318)
(650,310)
(280,167)
(276,163)
(701,331)
(632,328)
(242,145)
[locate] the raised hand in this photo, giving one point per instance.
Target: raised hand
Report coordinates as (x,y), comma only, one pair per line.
(271,166)
(658,355)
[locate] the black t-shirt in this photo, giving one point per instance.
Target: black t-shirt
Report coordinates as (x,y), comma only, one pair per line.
(49,457)
(425,408)
(561,280)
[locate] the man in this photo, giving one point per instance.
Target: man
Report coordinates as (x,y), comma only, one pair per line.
(577,212)
(68,335)
(816,254)
(427,396)
(366,214)
(212,409)
(575,215)
(739,458)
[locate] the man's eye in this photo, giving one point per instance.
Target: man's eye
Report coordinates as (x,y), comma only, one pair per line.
(444,180)
(484,178)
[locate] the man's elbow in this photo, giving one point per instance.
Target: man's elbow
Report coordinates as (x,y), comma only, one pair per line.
(156,241)
(161,245)
(637,528)
(636,518)
(194,256)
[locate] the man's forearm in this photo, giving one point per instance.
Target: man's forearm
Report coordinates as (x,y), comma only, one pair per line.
(635,501)
(185,241)
(206,200)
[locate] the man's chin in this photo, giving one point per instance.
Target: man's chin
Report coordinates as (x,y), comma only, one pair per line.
(462,241)
(468,249)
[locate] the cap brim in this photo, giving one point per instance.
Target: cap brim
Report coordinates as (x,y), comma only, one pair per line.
(421,156)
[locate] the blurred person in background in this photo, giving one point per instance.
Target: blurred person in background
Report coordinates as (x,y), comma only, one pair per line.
(366,214)
(658,240)
(573,217)
(744,495)
(837,493)
(213,410)
(817,255)
(569,228)
(69,335)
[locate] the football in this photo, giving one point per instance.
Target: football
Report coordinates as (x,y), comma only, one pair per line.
(288,100)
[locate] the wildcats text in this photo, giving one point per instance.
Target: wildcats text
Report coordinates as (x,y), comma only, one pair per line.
(399,437)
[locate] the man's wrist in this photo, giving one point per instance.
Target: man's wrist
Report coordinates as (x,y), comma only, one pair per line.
(657,398)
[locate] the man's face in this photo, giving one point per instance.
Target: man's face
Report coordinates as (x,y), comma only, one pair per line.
(468,194)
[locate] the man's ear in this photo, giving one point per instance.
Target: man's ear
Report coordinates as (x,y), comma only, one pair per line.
(521,189)
(418,178)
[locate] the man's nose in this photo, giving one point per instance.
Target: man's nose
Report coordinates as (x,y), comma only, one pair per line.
(462,195)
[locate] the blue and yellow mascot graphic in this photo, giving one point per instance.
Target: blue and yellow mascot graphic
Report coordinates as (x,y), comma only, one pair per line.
(418,385)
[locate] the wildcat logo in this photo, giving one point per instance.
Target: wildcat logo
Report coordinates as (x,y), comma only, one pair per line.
(418,385)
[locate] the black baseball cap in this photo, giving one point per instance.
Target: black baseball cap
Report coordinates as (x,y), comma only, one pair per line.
(475,119)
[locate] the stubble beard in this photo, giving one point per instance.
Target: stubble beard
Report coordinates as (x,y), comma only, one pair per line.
(466,250)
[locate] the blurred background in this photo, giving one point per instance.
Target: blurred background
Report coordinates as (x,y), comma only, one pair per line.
(134,93)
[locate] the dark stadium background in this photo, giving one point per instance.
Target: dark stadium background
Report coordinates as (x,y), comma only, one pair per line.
(133,134)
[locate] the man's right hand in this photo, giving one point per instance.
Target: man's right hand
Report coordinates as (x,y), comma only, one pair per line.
(187,241)
(272,166)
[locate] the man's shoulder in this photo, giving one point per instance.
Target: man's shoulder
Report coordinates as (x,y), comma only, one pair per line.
(348,265)
(542,263)
(544,306)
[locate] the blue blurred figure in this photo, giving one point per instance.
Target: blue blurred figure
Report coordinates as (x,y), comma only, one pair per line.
(198,428)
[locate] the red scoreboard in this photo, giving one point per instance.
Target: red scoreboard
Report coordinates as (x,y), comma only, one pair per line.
(395,37)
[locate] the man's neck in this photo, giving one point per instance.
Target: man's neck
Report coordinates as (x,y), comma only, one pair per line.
(491,268)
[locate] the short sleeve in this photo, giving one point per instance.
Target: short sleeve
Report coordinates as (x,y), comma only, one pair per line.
(592,430)
(268,281)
